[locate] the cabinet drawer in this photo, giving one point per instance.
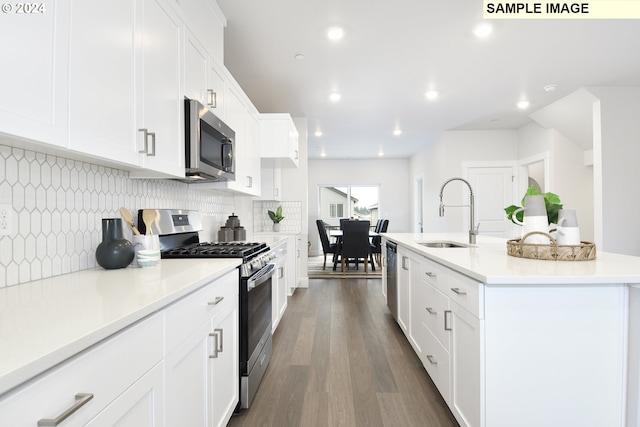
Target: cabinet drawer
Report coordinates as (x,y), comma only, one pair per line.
(436,361)
(436,305)
(187,314)
(466,292)
(434,274)
(104,371)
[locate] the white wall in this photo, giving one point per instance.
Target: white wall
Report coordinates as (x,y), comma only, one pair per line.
(392,175)
(616,156)
(444,159)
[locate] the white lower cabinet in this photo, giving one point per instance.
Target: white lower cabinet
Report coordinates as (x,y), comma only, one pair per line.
(202,374)
(177,367)
(279,284)
(404,281)
(114,380)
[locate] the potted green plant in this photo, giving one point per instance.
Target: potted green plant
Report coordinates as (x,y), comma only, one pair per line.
(551,201)
(276,217)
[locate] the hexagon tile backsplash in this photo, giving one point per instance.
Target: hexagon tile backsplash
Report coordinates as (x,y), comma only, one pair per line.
(58,205)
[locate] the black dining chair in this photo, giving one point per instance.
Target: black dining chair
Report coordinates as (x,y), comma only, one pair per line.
(376,241)
(327,247)
(355,244)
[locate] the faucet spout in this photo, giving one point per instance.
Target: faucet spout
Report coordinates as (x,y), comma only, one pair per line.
(473,231)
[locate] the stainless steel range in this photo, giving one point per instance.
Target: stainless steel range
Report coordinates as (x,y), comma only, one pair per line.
(179,238)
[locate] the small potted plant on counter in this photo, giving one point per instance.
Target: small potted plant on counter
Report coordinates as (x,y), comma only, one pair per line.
(551,201)
(276,217)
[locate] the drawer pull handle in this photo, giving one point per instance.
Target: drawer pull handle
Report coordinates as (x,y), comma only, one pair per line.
(81,400)
(432,359)
(215,345)
(219,330)
(458,291)
(447,313)
(431,310)
(431,274)
(216,301)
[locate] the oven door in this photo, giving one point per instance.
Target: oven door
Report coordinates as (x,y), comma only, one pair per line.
(257,314)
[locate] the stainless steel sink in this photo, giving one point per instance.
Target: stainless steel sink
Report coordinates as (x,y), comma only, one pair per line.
(443,244)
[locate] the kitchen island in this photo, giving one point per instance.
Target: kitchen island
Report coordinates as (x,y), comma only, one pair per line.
(511,341)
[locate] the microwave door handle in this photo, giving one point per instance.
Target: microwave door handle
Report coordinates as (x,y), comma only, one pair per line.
(227,154)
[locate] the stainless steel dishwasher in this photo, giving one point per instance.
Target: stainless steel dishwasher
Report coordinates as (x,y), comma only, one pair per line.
(392,278)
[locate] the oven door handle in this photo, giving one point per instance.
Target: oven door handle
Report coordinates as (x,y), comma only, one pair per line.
(261,276)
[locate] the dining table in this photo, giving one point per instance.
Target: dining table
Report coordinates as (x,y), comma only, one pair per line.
(337,233)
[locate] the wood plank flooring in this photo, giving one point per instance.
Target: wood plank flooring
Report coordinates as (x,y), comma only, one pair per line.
(339,359)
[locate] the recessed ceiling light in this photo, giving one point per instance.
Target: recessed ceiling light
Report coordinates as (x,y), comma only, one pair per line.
(323,154)
(299,56)
(380,153)
(318,133)
(397,132)
(335,33)
(482,30)
(523,105)
(335,96)
(431,94)
(551,87)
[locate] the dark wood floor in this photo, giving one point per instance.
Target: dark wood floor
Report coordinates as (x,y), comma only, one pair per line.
(340,359)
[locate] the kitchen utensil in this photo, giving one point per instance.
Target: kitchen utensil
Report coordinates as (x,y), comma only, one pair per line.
(148,216)
(126,215)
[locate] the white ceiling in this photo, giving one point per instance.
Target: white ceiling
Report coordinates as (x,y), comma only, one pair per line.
(394,51)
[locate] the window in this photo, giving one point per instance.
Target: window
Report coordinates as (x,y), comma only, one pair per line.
(347,201)
(336,210)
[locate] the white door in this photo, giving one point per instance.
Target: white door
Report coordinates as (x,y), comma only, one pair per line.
(493,188)
(418,222)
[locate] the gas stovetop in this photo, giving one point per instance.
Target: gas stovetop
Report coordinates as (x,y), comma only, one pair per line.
(244,250)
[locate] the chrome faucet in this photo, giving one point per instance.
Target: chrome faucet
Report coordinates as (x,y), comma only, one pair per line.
(473,232)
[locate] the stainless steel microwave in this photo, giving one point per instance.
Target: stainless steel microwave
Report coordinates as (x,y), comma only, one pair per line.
(209,145)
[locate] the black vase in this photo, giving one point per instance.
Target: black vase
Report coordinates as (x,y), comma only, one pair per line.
(114,251)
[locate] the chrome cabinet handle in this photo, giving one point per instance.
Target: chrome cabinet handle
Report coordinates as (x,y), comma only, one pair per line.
(432,359)
(145,136)
(145,140)
(296,156)
(447,327)
(458,291)
(280,272)
(81,400)
(250,181)
(221,332)
(153,144)
(431,310)
(216,301)
(215,345)
(404,266)
(211,98)
(430,274)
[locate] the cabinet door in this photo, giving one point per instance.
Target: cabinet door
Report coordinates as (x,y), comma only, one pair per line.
(187,380)
(404,280)
(224,381)
(215,89)
(465,366)
(102,69)
(196,67)
(34,80)
(139,406)
(160,111)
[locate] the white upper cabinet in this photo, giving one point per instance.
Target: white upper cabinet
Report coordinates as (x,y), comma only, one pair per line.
(204,79)
(126,60)
(34,84)
(206,21)
(279,139)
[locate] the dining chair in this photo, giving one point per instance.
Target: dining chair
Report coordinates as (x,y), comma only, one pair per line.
(376,241)
(327,247)
(355,244)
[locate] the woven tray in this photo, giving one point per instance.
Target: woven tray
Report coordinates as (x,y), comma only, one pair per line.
(585,251)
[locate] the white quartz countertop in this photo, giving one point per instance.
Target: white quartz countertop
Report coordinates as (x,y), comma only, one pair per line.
(489,263)
(44,322)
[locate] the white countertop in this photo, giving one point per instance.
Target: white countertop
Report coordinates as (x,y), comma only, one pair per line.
(489,263)
(44,322)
